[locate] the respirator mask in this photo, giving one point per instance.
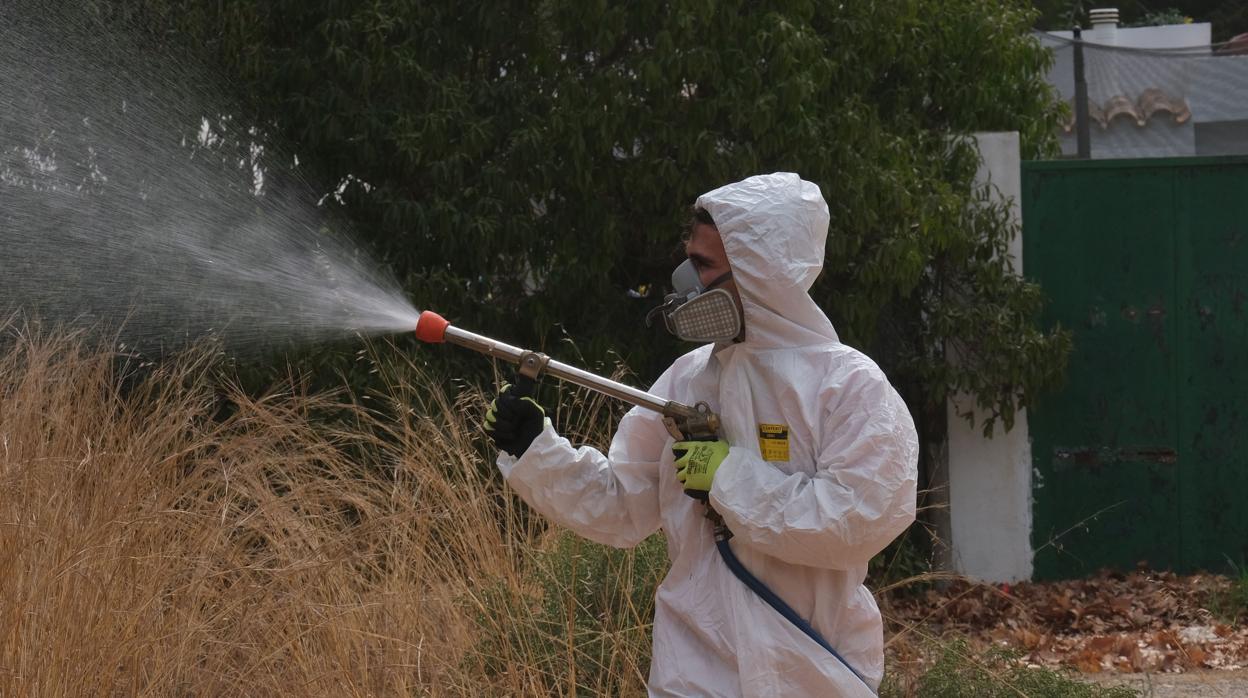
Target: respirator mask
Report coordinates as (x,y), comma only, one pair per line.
(696,313)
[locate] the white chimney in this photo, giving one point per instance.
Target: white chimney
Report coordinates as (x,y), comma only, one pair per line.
(1104,25)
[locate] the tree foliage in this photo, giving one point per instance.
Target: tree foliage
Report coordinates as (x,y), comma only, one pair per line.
(529,164)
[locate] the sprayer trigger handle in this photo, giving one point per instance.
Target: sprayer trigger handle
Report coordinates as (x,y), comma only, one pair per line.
(681,430)
(673,428)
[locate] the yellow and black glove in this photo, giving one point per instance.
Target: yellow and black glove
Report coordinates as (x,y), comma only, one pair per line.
(696,463)
(514,420)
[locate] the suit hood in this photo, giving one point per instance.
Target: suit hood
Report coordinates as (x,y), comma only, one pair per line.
(774,229)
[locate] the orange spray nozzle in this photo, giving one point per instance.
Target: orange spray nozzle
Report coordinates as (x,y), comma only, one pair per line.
(431,327)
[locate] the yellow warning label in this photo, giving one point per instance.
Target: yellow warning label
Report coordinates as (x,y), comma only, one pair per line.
(773,441)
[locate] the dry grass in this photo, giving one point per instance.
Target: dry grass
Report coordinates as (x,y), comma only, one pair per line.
(161,533)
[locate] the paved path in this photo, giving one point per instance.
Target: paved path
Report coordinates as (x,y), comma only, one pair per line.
(1196,684)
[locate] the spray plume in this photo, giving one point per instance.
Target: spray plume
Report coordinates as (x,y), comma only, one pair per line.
(132,195)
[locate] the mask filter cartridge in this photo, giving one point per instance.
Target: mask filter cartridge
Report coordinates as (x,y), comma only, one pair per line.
(712,316)
(696,314)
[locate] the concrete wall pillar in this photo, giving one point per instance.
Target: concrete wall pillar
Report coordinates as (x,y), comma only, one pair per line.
(990,478)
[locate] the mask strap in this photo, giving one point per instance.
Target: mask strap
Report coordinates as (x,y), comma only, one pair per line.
(655,311)
(719,280)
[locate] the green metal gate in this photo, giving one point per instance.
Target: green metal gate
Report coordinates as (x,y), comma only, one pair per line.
(1141,457)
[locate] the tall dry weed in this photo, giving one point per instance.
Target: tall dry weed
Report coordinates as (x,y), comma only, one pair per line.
(162,533)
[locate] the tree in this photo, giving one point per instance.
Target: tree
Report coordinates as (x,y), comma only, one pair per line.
(529,164)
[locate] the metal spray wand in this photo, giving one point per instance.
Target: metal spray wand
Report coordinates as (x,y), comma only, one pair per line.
(683,422)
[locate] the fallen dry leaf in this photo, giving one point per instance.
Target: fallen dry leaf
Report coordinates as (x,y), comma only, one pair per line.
(1140,621)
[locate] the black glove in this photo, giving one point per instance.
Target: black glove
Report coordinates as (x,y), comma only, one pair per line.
(514,420)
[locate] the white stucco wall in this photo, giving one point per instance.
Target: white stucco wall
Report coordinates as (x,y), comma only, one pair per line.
(990,479)
(1172,36)
(1162,36)
(1212,86)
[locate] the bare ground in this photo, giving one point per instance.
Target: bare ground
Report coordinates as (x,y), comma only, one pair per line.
(1195,684)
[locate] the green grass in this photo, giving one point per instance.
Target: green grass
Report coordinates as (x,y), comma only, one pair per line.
(959,671)
(1230,605)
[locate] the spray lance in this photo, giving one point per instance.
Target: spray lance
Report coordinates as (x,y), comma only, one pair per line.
(684,423)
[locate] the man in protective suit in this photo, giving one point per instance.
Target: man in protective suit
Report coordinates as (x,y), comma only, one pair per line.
(815,472)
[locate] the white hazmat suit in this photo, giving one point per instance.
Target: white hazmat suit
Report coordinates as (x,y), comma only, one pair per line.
(830,485)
